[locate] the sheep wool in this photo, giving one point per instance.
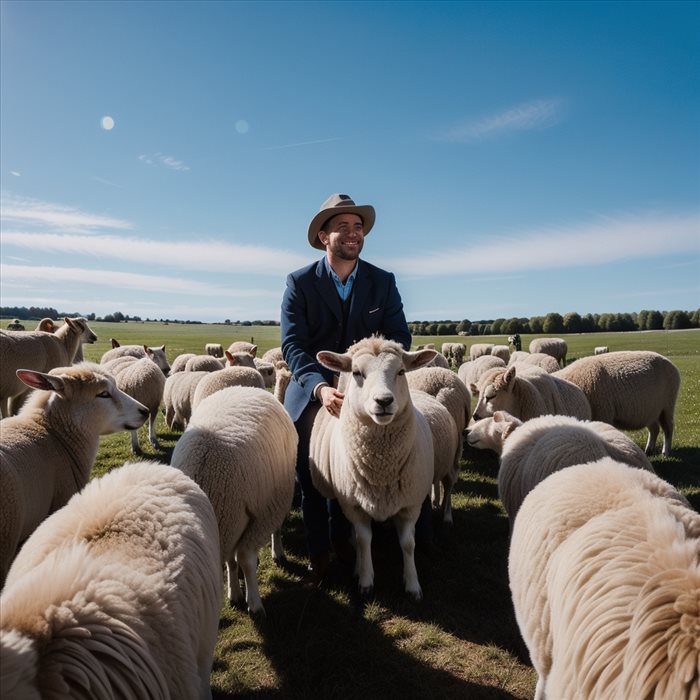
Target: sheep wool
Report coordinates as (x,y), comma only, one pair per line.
(229,376)
(157,354)
(116,595)
(604,569)
(240,446)
(556,347)
(180,361)
(471,371)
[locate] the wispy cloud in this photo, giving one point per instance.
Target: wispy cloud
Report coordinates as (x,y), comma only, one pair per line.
(55,216)
(607,240)
(109,183)
(15,173)
(168,161)
(302,143)
(124,280)
(538,114)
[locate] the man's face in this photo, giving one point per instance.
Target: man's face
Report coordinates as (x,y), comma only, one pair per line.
(343,236)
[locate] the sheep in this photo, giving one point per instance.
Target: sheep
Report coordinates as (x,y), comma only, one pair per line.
(179,362)
(537,359)
(143,380)
(229,376)
(630,389)
(117,594)
(426,346)
(49,448)
(479,349)
(446,444)
(556,347)
(604,574)
(157,354)
(470,372)
(39,351)
(454,352)
(240,446)
(502,351)
(600,349)
(543,445)
(283,375)
(178,394)
(243,346)
(515,341)
(528,392)
(273,356)
(490,433)
(15,325)
(439,361)
(214,349)
(267,371)
(377,457)
(204,363)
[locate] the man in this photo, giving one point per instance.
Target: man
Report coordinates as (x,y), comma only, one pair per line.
(329,305)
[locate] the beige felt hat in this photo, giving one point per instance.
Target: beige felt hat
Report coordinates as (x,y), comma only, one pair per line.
(339,204)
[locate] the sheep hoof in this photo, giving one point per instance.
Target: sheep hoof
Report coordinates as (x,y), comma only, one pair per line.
(281,561)
(416,596)
(258,615)
(367,592)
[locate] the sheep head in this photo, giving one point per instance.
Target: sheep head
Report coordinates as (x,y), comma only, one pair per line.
(496,393)
(490,433)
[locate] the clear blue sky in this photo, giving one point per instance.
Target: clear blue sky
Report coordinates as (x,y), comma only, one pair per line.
(522,157)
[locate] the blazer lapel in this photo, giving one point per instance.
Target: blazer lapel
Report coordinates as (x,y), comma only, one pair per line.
(327,290)
(360,290)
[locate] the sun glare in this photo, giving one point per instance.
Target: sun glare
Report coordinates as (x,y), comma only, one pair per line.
(107,123)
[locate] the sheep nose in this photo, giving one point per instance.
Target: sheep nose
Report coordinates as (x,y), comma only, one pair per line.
(476,416)
(383,401)
(144,411)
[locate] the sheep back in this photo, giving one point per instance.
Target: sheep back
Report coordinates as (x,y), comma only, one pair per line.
(470,372)
(229,376)
(556,347)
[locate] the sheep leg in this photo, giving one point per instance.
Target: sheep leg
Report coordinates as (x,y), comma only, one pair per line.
(651,440)
(405,522)
(247,559)
(135,442)
(277,547)
(363,563)
(446,506)
(436,493)
(152,429)
(667,427)
(539,689)
(233,588)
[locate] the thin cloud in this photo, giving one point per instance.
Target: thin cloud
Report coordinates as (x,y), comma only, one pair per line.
(538,114)
(606,241)
(168,161)
(102,181)
(56,216)
(302,143)
(15,173)
(125,280)
(209,256)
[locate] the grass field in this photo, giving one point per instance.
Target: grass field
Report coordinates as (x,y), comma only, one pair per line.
(462,640)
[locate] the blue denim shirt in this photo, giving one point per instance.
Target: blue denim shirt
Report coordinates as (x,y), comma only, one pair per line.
(344,290)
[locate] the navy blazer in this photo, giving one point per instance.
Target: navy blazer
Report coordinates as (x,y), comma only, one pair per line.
(312,320)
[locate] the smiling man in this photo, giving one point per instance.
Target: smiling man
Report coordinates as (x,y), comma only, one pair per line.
(329,305)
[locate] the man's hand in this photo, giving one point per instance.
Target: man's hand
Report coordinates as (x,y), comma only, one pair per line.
(331,399)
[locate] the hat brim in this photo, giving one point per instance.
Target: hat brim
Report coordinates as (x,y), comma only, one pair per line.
(365,212)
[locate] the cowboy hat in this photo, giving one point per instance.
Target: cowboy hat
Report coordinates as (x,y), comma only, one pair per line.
(334,205)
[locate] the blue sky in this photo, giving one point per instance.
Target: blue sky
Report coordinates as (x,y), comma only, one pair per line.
(522,157)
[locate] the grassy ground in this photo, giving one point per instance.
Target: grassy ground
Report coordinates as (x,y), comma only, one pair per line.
(462,640)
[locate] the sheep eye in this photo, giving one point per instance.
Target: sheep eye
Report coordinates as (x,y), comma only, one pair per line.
(104,395)
(358,375)
(401,372)
(490,393)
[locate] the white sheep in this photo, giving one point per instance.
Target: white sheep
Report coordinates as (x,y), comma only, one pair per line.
(502,351)
(541,446)
(556,347)
(283,375)
(229,376)
(117,594)
(480,349)
(438,361)
(240,446)
(178,395)
(600,349)
(214,349)
(491,432)
(538,359)
(204,363)
(604,574)
(143,380)
(630,389)
(528,392)
(471,371)
(39,351)
(377,457)
(180,361)
(49,449)
(157,354)
(273,356)
(243,346)
(267,371)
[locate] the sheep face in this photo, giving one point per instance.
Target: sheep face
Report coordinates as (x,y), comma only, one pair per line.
(490,433)
(158,356)
(496,394)
(92,397)
(80,326)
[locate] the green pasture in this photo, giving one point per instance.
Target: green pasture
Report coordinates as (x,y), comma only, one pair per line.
(462,641)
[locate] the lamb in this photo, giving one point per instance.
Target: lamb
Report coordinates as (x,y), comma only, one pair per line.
(556,347)
(630,389)
(471,371)
(214,349)
(604,574)
(536,359)
(39,351)
(600,349)
(267,371)
(543,445)
(157,354)
(179,362)
(273,356)
(377,457)
(502,351)
(143,380)
(178,395)
(283,375)
(479,349)
(240,446)
(229,376)
(527,393)
(53,442)
(116,595)
(490,433)
(243,346)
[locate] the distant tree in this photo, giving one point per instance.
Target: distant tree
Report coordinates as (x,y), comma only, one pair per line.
(511,326)
(655,321)
(588,324)
(572,322)
(431,329)
(464,326)
(536,324)
(451,328)
(443,329)
(497,326)
(695,319)
(227,322)
(553,323)
(487,329)
(627,322)
(676,320)
(642,317)
(109,318)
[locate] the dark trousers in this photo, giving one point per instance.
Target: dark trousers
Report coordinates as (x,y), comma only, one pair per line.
(324,522)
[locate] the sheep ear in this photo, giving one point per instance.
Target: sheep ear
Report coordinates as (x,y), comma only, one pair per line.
(499,417)
(418,359)
(148,351)
(69,321)
(254,351)
(509,376)
(41,381)
(115,343)
(335,361)
(474,389)
(231,359)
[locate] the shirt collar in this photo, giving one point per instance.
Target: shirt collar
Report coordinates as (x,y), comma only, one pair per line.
(343,289)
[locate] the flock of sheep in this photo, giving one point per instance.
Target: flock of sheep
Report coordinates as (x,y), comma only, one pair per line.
(113,587)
